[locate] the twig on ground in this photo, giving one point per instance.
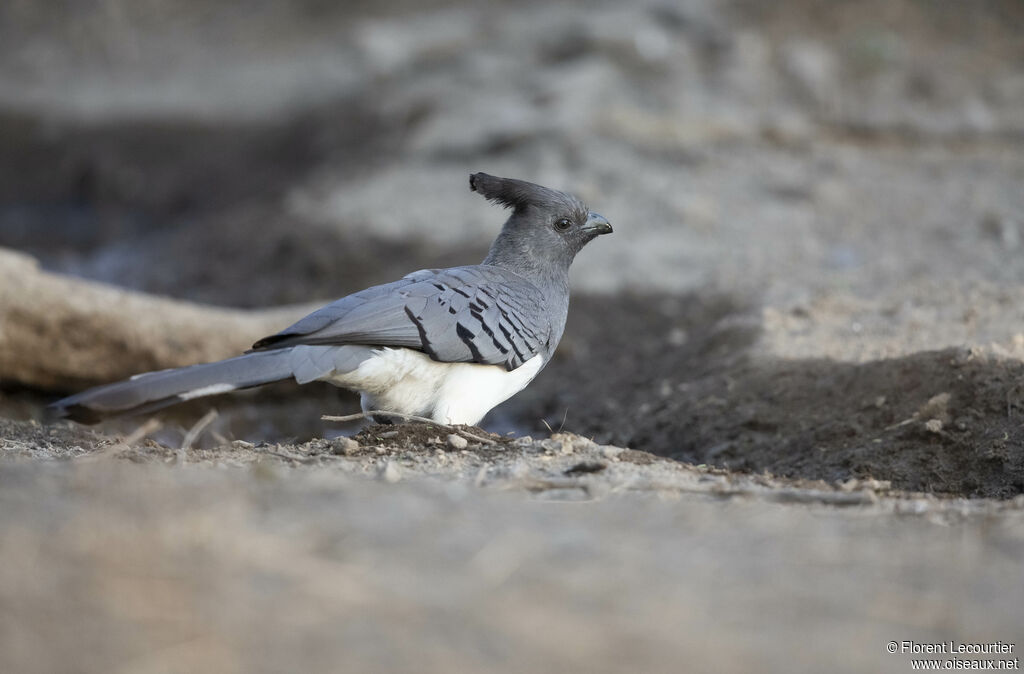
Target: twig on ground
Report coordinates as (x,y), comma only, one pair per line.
(291,457)
(197,429)
(538,484)
(151,426)
(901,424)
(409,417)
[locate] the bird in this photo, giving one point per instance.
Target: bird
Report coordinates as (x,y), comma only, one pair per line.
(444,344)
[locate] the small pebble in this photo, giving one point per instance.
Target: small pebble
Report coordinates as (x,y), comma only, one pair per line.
(610,451)
(457,441)
(344,446)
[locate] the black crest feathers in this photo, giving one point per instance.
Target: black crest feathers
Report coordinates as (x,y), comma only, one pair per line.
(516,194)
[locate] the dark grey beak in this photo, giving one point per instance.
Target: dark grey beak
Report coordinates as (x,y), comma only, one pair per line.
(597,224)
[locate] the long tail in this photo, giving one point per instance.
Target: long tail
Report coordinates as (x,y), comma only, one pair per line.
(155,390)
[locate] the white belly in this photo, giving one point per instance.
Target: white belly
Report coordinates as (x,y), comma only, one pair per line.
(410,382)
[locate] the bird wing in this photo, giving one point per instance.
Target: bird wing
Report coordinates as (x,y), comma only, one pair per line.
(480,314)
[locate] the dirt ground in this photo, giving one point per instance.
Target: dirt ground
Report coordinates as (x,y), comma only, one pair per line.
(789,400)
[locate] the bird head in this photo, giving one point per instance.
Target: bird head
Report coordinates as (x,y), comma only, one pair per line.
(546,226)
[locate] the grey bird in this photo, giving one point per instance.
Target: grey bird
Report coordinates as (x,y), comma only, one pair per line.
(448,344)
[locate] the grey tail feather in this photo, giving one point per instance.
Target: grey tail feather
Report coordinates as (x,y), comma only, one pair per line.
(155,390)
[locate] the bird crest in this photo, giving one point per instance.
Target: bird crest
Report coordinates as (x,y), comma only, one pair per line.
(519,194)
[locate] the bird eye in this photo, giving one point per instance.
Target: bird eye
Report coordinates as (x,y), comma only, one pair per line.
(563,224)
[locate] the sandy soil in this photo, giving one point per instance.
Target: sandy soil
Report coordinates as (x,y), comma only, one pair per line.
(404,552)
(790,392)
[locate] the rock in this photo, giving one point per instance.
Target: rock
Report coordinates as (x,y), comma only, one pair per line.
(344,446)
(457,441)
(610,451)
(936,409)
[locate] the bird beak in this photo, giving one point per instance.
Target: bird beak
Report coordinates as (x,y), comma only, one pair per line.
(597,224)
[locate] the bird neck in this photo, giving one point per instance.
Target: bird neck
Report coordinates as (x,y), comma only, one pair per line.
(550,277)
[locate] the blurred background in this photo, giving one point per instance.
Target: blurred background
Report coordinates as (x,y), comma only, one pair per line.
(258,153)
(817,272)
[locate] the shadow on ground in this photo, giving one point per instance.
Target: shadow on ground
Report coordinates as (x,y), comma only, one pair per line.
(682,377)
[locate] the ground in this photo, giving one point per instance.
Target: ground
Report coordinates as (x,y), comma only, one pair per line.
(789,400)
